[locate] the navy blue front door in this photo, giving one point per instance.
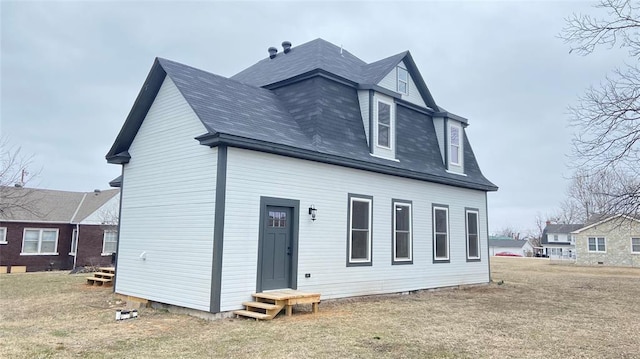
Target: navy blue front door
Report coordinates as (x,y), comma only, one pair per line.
(276,248)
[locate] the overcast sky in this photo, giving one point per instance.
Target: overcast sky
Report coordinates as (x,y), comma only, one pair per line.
(70,72)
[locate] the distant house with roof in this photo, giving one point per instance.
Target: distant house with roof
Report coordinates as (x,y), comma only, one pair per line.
(610,241)
(500,245)
(557,240)
(43,229)
(310,170)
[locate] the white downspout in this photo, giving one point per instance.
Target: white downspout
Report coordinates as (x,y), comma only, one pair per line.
(75,254)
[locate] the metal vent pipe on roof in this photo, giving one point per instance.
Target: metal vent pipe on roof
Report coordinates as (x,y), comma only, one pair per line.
(286,45)
(272,52)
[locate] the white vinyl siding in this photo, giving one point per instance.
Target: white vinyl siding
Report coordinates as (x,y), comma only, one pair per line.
(40,241)
(390,82)
(3,235)
(322,248)
(168,207)
(109,242)
(402,236)
(363,99)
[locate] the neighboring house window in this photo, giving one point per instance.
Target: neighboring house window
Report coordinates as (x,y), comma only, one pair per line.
(360,230)
(440,233)
(384,124)
(635,245)
(455,145)
(473,241)
(110,242)
(597,244)
(402,237)
(74,242)
(403,81)
(40,241)
(555,237)
(3,235)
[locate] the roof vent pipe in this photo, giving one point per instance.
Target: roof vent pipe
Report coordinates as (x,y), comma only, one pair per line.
(286,45)
(272,52)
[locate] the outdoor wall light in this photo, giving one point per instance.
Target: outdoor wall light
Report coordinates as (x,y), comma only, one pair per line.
(312,212)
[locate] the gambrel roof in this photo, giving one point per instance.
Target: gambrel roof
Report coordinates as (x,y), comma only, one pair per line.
(304,104)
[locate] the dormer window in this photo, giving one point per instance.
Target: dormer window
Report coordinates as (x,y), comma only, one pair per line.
(384,124)
(403,81)
(455,145)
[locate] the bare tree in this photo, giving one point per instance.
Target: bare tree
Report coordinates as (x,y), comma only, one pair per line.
(14,175)
(607,117)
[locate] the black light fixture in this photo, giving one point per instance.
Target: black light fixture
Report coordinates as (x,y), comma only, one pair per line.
(312,212)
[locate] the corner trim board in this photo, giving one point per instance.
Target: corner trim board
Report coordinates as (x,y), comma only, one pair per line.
(115,265)
(218,230)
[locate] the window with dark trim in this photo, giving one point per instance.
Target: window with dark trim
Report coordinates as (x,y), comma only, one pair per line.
(402,232)
(440,233)
(473,239)
(359,241)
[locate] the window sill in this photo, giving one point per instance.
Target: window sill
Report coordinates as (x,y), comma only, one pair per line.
(384,158)
(39,254)
(401,261)
(72,254)
(359,264)
(441,260)
(5,242)
(457,173)
(473,260)
(106,254)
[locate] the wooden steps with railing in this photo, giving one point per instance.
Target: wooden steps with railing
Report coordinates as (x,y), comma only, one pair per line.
(268,304)
(102,278)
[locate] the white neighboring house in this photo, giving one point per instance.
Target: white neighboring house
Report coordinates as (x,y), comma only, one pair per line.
(558,242)
(512,246)
(310,170)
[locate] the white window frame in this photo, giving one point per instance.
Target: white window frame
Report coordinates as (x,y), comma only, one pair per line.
(555,237)
(104,242)
(466,221)
(39,252)
(638,251)
(369,201)
(391,125)
(400,81)
(74,242)
(447,233)
(597,245)
(457,146)
(409,206)
(3,235)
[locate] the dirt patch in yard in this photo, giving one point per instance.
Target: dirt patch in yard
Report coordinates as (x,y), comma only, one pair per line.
(539,311)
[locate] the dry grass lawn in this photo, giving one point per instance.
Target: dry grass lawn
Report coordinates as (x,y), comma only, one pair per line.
(541,311)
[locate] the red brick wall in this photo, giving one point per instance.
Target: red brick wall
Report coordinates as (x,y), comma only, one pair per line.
(10,253)
(89,247)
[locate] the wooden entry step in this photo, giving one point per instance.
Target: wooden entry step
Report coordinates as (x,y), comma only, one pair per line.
(268,304)
(103,277)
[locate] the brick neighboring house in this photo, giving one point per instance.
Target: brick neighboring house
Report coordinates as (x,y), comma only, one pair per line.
(613,241)
(57,230)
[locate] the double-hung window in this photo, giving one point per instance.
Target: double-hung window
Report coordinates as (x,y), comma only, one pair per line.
(473,241)
(402,236)
(40,241)
(384,124)
(403,81)
(440,233)
(3,235)
(455,145)
(635,245)
(359,241)
(109,242)
(597,244)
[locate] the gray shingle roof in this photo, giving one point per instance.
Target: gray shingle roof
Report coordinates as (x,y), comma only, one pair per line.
(318,118)
(507,243)
(43,205)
